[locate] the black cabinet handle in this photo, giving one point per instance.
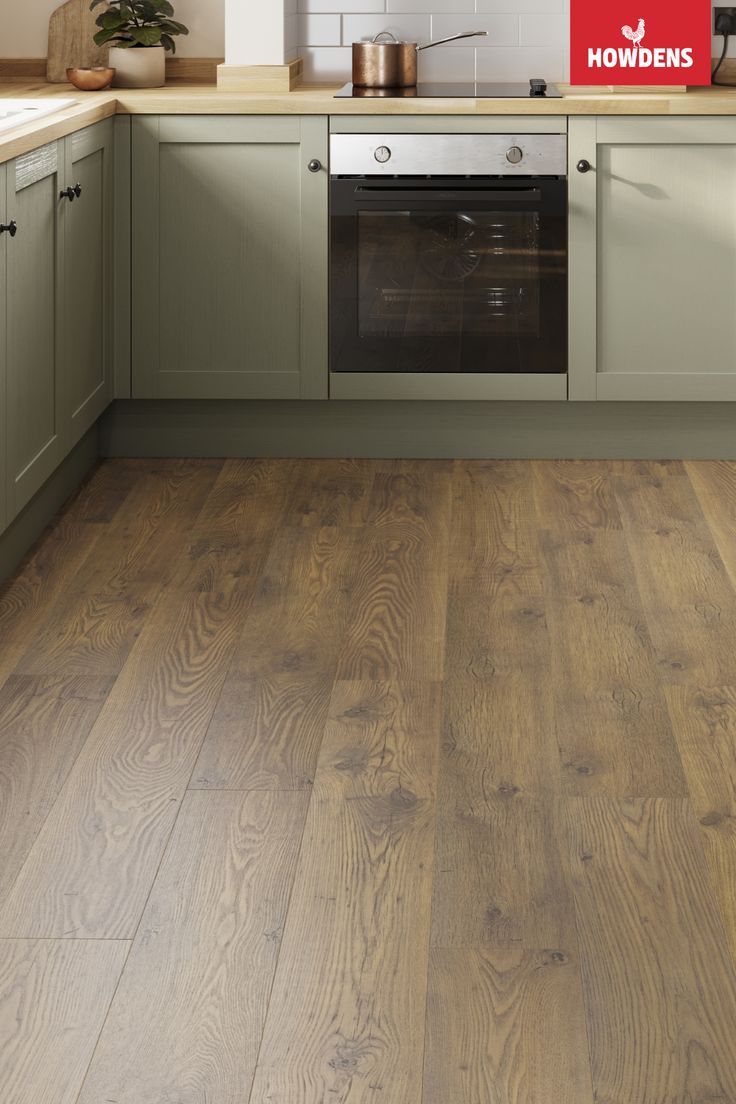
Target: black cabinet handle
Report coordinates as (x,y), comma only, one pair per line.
(11,228)
(314,165)
(584,166)
(70,193)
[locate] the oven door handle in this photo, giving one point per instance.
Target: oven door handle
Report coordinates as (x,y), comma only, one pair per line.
(377,193)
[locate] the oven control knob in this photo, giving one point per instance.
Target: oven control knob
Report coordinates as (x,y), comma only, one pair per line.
(382,155)
(514,155)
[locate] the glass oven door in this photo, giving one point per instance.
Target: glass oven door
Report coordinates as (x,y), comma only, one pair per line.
(448,275)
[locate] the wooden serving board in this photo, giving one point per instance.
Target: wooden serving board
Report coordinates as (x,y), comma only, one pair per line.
(71,28)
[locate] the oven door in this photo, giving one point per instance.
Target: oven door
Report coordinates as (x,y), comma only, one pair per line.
(448,275)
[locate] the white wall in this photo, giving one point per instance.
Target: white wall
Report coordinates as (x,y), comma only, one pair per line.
(526,38)
(24,27)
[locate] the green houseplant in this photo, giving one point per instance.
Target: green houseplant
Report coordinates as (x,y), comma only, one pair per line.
(139,33)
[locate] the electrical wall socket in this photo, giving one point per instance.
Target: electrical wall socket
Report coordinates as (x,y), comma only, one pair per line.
(726,24)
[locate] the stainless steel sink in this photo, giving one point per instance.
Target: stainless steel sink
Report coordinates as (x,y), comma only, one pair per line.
(15,113)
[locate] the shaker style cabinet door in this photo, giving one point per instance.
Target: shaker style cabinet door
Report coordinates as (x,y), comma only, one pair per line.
(34,401)
(229,257)
(86,298)
(4,239)
(652,258)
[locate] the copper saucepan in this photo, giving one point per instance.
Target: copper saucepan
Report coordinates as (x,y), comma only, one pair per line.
(392,64)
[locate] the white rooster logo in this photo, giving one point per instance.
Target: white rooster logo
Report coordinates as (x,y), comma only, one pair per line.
(635,36)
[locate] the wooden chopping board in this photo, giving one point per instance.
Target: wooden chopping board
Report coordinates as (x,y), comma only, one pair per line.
(71,28)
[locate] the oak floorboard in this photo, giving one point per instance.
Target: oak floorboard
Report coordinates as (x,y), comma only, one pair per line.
(54,995)
(379,739)
(187,1017)
(714,483)
(346,1016)
(613,729)
(659,985)
(397,619)
(500,880)
(355,947)
(44,723)
(687,595)
(93,862)
(705,727)
(27,597)
(99,615)
(505,1026)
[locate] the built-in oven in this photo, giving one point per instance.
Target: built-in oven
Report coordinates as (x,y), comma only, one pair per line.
(448,253)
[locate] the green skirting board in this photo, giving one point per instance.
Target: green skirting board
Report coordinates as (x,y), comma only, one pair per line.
(25,530)
(421,429)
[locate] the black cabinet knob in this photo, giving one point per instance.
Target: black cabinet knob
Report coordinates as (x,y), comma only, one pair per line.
(314,165)
(70,193)
(10,228)
(584,166)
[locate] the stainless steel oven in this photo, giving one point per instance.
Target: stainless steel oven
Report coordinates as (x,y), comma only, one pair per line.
(448,253)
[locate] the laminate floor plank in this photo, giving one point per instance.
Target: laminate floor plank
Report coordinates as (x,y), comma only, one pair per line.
(613,729)
(714,483)
(705,726)
(54,996)
(659,984)
(505,1026)
(397,620)
(687,595)
(500,880)
(44,723)
(92,864)
(187,1017)
(269,721)
(346,1016)
(99,615)
(27,598)
(355,947)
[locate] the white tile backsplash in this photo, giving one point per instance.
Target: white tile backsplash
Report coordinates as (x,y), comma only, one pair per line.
(526,38)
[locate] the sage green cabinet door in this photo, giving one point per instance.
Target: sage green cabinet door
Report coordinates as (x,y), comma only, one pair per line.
(4,239)
(34,409)
(653,259)
(86,300)
(230,243)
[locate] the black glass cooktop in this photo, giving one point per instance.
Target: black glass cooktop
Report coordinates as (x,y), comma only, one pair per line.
(480,90)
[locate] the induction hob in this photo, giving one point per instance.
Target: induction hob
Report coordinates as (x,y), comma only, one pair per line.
(478,90)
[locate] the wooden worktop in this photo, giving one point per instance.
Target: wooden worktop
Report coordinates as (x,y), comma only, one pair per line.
(184,98)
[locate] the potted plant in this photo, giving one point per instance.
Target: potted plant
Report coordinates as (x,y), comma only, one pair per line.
(139,32)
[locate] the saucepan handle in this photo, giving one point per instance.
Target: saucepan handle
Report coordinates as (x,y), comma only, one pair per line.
(452,38)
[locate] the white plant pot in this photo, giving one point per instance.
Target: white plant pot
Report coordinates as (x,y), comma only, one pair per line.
(138,67)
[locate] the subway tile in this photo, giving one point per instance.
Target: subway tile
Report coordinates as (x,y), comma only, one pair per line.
(447,64)
(520,63)
(410,28)
(456,6)
(502,30)
(544,30)
(319,30)
(326,63)
(343,6)
(521,7)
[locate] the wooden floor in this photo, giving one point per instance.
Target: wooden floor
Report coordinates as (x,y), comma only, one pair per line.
(372,781)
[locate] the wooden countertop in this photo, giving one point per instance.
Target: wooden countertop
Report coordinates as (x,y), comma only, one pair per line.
(184,98)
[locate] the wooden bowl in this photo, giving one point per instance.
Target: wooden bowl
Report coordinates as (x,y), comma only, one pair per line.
(91,80)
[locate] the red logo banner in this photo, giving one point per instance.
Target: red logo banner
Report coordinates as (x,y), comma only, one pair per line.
(634,42)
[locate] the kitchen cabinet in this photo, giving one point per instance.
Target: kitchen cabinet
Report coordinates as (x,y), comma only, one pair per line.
(57,303)
(229,260)
(652,258)
(34,393)
(87,299)
(4,239)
